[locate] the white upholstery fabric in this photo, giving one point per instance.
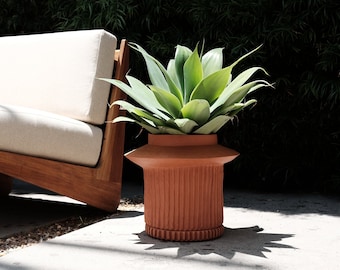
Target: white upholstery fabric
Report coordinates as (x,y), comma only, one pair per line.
(56,72)
(37,133)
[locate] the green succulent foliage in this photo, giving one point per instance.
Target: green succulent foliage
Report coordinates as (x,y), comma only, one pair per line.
(194,94)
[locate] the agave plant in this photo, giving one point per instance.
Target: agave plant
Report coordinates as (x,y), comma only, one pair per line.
(194,94)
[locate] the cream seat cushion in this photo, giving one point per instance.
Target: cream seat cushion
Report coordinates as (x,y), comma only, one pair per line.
(38,133)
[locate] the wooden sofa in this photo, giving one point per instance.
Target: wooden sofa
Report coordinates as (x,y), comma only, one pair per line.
(49,84)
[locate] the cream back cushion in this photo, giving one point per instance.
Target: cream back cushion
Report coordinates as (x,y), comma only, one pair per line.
(56,72)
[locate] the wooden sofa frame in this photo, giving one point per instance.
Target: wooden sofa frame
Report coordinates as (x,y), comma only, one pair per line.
(98,186)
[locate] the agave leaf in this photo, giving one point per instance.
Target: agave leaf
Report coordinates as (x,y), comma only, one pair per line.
(181,55)
(226,110)
(185,125)
(123,119)
(244,56)
(259,85)
(240,93)
(134,120)
(234,85)
(197,110)
(149,128)
(139,112)
(245,76)
(153,66)
(250,102)
(171,69)
(211,87)
(233,109)
(230,105)
(140,93)
(156,78)
(170,130)
(193,73)
(145,97)
(169,101)
(231,67)
(213,125)
(212,61)
(246,104)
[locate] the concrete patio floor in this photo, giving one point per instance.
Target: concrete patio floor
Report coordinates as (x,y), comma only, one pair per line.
(262,231)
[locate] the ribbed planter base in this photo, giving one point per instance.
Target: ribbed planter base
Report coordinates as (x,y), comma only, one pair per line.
(172,235)
(183,186)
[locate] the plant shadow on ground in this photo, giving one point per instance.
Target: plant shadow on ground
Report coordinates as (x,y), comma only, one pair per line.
(250,240)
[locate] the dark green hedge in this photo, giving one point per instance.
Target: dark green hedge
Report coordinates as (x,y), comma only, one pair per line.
(290,139)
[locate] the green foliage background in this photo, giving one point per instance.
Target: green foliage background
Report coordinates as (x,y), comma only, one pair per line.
(290,139)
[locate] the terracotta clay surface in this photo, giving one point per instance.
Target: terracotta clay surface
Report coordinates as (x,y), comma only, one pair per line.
(172,150)
(183,186)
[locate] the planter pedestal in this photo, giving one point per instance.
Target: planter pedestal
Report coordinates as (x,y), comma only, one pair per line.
(183,186)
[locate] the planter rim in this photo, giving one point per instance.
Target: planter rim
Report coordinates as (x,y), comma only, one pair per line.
(180,151)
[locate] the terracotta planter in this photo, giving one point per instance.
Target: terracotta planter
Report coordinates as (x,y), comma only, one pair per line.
(183,186)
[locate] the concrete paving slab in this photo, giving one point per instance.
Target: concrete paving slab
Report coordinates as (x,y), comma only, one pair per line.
(299,232)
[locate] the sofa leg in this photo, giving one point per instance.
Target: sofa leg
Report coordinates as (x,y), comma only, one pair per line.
(5,185)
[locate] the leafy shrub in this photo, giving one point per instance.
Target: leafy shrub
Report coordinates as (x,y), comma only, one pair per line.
(290,140)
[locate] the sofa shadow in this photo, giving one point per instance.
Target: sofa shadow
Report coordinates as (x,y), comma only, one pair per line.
(21,215)
(251,241)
